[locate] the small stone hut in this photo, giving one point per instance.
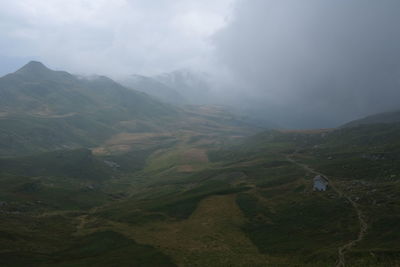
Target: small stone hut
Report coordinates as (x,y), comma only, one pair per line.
(320,183)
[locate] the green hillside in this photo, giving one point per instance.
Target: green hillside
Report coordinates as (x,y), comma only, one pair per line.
(43,92)
(386,117)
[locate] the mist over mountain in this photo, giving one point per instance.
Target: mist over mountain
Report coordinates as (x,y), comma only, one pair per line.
(314,63)
(189,87)
(180,87)
(154,88)
(43,110)
(296,64)
(195,87)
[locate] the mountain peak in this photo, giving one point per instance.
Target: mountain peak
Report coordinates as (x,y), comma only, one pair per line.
(37,71)
(33,67)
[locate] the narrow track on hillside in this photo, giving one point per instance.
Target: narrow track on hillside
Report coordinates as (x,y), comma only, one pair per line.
(361,218)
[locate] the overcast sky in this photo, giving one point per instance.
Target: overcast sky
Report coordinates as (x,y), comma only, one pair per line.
(110,37)
(314,63)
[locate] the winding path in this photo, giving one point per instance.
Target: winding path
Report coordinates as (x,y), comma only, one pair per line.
(361,218)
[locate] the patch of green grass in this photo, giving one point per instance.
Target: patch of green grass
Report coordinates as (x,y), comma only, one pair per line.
(110,249)
(98,249)
(309,228)
(78,164)
(174,202)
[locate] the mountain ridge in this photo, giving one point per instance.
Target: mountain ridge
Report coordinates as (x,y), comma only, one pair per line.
(43,110)
(384,117)
(39,104)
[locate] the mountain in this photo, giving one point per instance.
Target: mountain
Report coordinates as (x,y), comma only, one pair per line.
(42,109)
(195,87)
(154,88)
(187,87)
(386,117)
(37,90)
(180,87)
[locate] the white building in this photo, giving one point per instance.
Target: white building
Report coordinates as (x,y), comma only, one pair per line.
(320,183)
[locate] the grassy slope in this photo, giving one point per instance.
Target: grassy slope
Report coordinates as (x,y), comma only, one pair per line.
(40,213)
(365,162)
(278,191)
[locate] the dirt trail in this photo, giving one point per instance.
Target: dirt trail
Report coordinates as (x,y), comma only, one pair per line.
(361,234)
(361,218)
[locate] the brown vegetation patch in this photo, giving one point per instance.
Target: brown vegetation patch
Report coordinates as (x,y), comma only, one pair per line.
(130,138)
(195,155)
(212,236)
(185,168)
(308,131)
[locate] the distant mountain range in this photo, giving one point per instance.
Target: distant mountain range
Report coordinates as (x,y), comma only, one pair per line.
(179,87)
(154,88)
(43,110)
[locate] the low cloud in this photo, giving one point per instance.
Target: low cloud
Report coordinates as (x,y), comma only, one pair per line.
(318,63)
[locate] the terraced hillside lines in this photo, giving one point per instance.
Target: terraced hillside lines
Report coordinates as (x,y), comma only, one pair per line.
(211,236)
(361,217)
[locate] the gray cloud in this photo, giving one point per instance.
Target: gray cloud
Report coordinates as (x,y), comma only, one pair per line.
(315,62)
